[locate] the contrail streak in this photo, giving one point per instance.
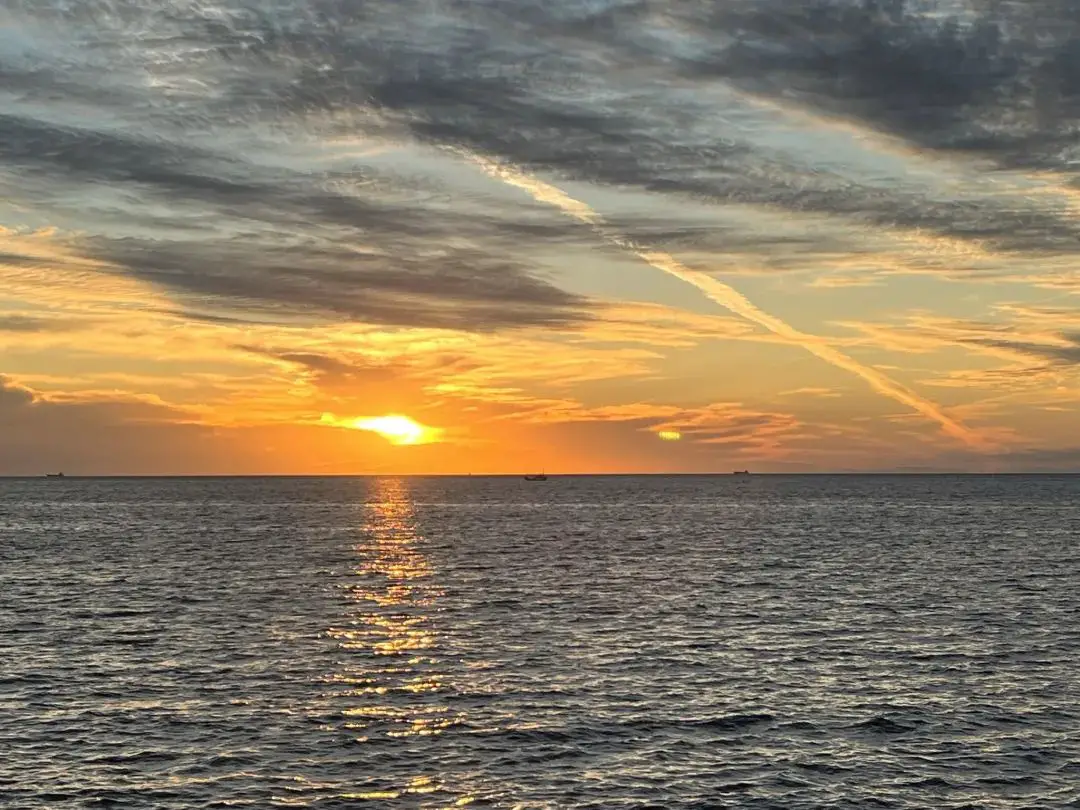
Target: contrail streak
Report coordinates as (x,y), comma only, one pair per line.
(729,298)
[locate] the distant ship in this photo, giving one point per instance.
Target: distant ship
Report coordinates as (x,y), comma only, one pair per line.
(536,477)
(54,475)
(741,472)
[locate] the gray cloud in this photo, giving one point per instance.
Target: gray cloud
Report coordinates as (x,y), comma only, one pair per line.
(329,371)
(942,85)
(274,240)
(114,437)
(460,288)
(205,148)
(19,260)
(1002,80)
(233,187)
(26,323)
(1037,460)
(12,396)
(411,278)
(1060,355)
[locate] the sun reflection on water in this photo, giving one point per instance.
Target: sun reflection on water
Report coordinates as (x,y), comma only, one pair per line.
(394,681)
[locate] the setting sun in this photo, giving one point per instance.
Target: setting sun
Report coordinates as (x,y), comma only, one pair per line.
(395,428)
(803,310)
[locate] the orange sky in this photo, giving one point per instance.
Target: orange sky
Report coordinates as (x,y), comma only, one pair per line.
(625,254)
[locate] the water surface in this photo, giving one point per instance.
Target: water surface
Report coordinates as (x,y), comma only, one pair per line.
(623,642)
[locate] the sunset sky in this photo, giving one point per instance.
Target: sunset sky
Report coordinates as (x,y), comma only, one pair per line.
(332,236)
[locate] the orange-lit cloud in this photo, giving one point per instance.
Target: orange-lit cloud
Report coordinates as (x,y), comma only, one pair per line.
(178,298)
(734,301)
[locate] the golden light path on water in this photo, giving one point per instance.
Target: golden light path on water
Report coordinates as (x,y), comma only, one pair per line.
(394,677)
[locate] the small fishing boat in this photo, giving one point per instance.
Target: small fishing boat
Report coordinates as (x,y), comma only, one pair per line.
(54,475)
(741,472)
(536,477)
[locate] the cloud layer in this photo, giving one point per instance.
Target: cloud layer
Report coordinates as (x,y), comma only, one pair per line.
(224,158)
(220,176)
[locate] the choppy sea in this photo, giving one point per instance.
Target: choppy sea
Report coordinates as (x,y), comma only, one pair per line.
(593,642)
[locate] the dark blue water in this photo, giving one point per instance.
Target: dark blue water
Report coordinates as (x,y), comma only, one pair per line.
(585,642)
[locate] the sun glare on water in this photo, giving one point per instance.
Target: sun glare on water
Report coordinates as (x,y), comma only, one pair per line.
(395,428)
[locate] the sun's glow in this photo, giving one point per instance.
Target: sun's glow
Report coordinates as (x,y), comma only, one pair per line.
(669,435)
(395,428)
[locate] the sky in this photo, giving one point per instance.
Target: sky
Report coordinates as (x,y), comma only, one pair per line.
(504,236)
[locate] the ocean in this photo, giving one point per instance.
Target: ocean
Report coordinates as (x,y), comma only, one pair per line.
(585,642)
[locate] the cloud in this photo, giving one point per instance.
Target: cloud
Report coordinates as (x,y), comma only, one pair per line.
(244,190)
(1000,81)
(834,282)
(1022,340)
(113,433)
(403,370)
(387,383)
(810,391)
(483,93)
(656,325)
(338,256)
(27,324)
(1066,349)
(463,289)
(13,396)
(731,424)
(19,259)
(99,433)
(1031,460)
(230,148)
(738,304)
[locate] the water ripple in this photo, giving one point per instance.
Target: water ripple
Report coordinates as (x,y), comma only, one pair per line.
(589,643)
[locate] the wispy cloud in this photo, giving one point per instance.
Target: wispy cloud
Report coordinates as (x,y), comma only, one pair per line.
(1007,339)
(731,299)
(257,212)
(811,392)
(239,172)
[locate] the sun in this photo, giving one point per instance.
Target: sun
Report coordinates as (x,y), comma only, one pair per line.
(395,428)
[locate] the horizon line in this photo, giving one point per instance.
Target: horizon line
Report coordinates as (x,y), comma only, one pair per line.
(822,473)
